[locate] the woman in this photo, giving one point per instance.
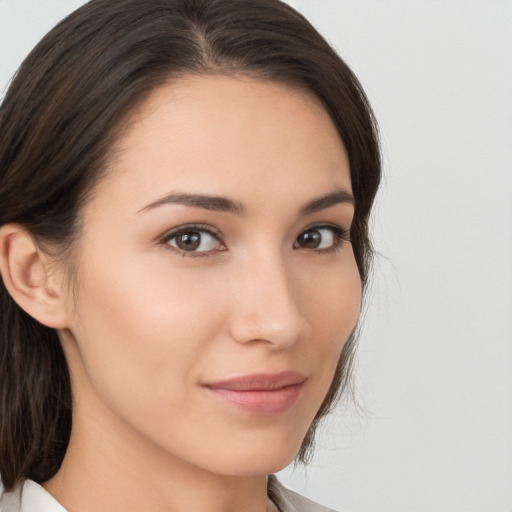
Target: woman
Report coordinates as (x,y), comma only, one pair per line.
(185,191)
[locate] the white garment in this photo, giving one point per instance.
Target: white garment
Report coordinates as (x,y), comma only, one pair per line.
(31,497)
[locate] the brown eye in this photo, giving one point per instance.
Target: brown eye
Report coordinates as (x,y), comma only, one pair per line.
(310,239)
(189,241)
(316,238)
(194,240)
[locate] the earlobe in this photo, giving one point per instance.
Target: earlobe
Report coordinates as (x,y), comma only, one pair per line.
(27,275)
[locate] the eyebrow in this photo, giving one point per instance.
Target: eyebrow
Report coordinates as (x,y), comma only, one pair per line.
(223,204)
(338,196)
(206,202)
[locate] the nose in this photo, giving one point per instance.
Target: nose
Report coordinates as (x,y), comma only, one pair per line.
(267,304)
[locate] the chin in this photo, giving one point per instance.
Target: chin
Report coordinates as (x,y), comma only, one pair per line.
(267,456)
(266,465)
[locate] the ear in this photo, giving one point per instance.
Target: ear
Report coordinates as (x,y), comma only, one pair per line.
(27,274)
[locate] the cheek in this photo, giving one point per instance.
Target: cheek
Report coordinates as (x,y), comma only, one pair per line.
(140,338)
(334,303)
(336,314)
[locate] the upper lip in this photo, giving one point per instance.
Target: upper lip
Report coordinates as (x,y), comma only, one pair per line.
(260,381)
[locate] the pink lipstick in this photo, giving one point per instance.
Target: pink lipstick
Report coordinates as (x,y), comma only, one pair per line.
(261,393)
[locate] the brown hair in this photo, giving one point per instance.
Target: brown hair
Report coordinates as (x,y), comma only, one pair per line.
(62,114)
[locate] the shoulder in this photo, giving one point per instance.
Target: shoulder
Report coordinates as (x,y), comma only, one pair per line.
(290,501)
(28,497)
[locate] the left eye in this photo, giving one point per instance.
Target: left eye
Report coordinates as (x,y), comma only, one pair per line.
(318,238)
(194,240)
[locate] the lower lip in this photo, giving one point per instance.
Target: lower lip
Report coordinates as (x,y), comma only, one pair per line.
(264,402)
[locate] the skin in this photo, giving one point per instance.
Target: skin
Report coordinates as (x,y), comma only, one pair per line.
(149,323)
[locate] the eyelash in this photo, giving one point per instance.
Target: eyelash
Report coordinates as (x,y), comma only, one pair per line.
(202,228)
(340,234)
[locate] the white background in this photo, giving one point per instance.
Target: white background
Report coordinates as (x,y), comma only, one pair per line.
(435,361)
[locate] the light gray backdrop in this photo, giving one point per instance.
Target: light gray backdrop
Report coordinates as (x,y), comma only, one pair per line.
(435,362)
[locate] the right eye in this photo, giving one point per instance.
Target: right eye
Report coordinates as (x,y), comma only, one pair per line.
(194,240)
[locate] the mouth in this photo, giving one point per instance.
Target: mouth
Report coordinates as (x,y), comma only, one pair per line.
(262,393)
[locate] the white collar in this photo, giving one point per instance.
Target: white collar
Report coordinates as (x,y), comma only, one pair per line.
(29,498)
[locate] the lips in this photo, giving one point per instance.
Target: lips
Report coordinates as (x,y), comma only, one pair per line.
(261,393)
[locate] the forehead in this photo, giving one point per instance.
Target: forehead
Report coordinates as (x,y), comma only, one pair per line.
(231,136)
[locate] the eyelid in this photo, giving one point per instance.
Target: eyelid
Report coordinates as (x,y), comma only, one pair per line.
(341,235)
(172,233)
(328,225)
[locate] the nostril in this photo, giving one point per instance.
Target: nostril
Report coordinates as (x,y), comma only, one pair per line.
(276,326)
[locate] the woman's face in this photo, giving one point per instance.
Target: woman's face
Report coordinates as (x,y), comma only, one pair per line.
(213,262)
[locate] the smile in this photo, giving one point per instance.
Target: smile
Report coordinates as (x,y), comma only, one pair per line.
(262,394)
